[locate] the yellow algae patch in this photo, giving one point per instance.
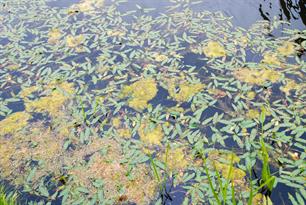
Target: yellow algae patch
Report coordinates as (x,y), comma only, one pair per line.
(117,33)
(13,66)
(235,174)
(54,35)
(160,57)
(139,189)
(14,122)
(124,132)
(140,93)
(251,95)
(256,76)
(253,114)
(86,6)
(47,144)
(116,122)
(214,49)
(151,135)
(11,157)
(74,41)
(25,92)
(175,159)
(271,59)
(53,102)
(244,41)
(217,93)
(291,85)
(221,162)
(39,143)
(222,155)
(287,49)
(260,199)
(185,91)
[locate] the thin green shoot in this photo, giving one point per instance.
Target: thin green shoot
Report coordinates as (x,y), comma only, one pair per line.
(7,199)
(210,182)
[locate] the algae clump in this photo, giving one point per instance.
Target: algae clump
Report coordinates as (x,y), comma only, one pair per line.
(291,85)
(53,102)
(151,135)
(185,91)
(221,162)
(214,50)
(74,41)
(14,123)
(175,159)
(140,93)
(108,167)
(160,57)
(86,6)
(253,114)
(287,49)
(54,36)
(256,76)
(271,59)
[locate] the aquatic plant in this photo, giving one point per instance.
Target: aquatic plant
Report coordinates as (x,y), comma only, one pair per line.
(7,199)
(101,102)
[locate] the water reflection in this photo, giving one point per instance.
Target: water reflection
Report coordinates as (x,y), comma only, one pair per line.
(287,10)
(245,12)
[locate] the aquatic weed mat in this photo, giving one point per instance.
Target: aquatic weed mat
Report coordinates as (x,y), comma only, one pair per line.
(101,105)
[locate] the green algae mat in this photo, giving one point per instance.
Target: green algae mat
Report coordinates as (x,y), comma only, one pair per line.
(104,105)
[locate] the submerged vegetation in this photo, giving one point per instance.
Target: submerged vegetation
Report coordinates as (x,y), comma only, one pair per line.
(100,105)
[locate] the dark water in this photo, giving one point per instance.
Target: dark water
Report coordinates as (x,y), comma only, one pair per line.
(244,12)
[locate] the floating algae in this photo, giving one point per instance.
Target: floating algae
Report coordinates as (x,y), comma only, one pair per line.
(185,91)
(54,36)
(46,147)
(14,123)
(124,132)
(57,95)
(86,6)
(89,141)
(160,57)
(139,188)
(253,114)
(74,41)
(37,143)
(256,76)
(260,199)
(176,159)
(214,50)
(286,49)
(271,59)
(221,160)
(116,33)
(150,133)
(140,93)
(291,85)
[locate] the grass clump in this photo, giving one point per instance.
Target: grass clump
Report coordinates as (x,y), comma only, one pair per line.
(7,198)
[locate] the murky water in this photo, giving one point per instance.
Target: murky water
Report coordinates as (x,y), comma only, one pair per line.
(153,102)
